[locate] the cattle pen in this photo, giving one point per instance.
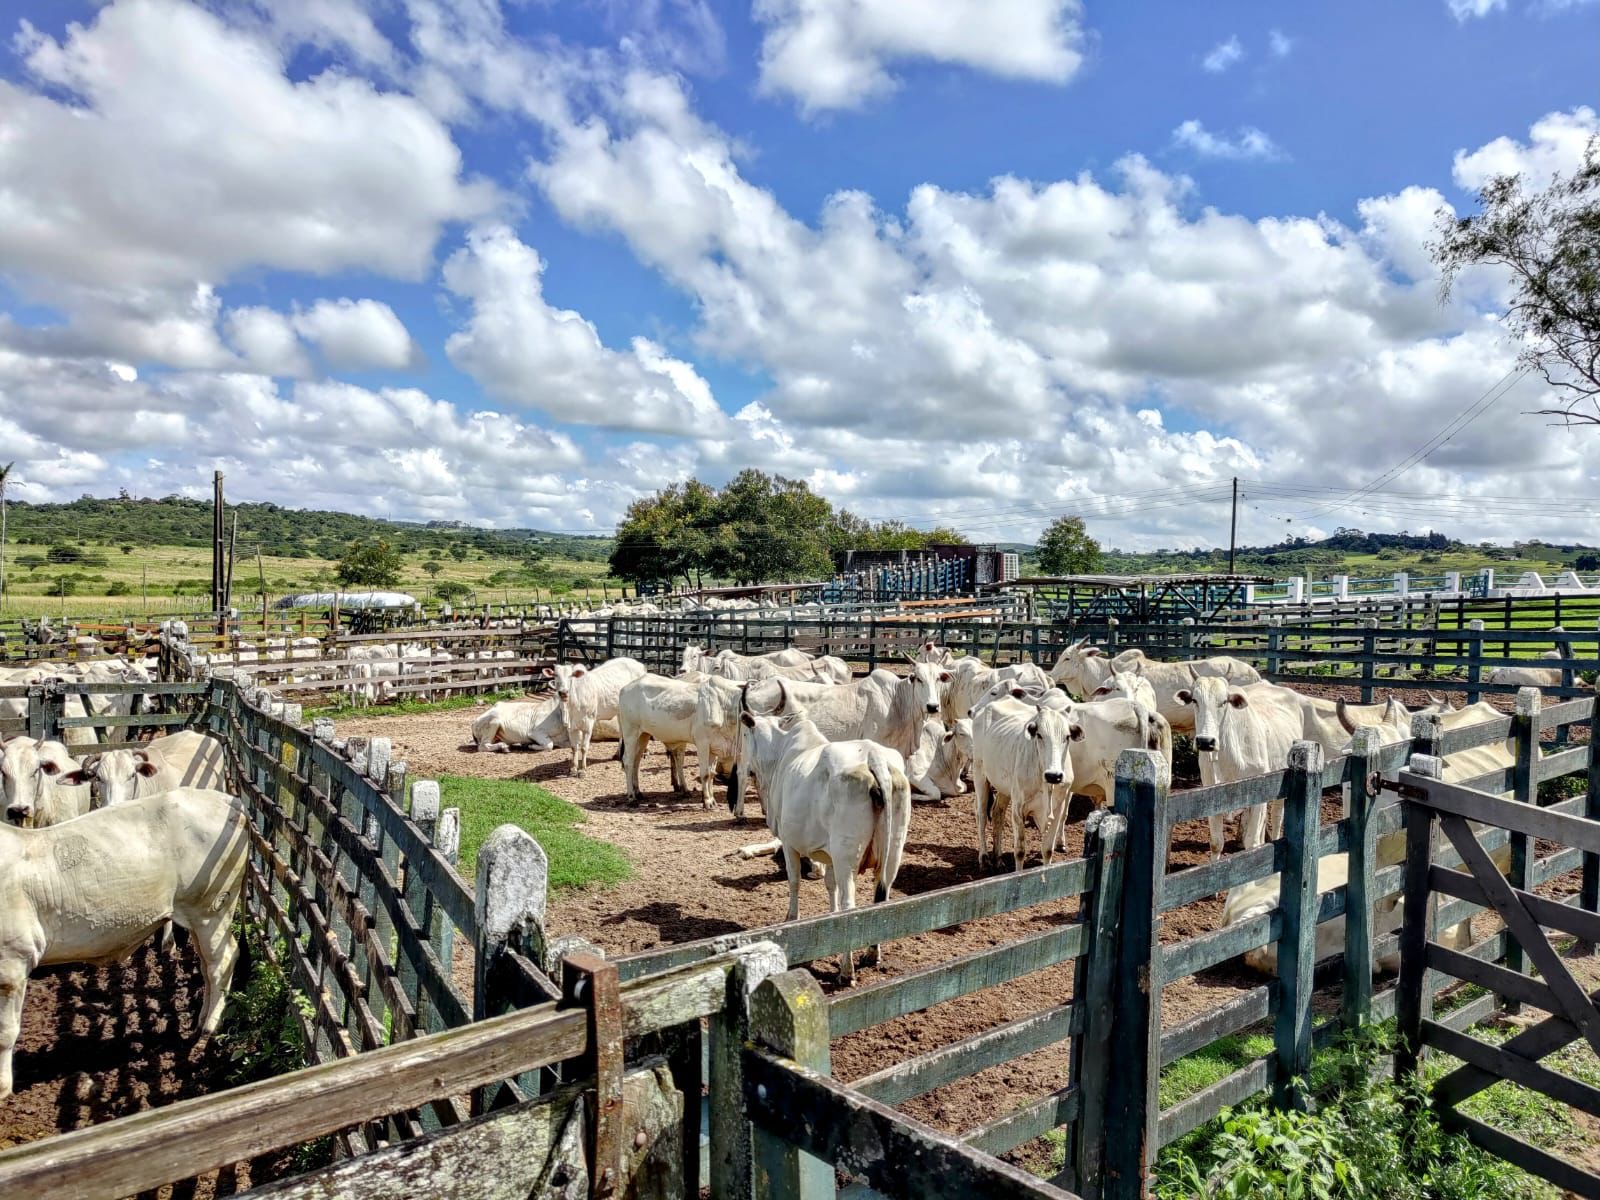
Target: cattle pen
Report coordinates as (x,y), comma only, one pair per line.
(544,1069)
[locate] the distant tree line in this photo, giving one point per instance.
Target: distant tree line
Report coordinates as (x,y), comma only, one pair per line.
(758,528)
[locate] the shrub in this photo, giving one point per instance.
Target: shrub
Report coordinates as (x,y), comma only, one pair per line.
(118,589)
(452,589)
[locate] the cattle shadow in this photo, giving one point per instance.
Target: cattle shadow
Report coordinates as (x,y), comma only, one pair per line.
(673,924)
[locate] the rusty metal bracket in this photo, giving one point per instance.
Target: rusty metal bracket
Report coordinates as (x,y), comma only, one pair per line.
(1404,790)
(590,982)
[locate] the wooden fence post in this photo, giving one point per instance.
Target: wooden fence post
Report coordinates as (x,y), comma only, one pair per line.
(732,1149)
(413,892)
(1474,662)
(789,1015)
(1369,647)
(1274,648)
(1133,1106)
(1297,901)
(1359,908)
(1413,999)
(1105,845)
(1589,896)
(1524,790)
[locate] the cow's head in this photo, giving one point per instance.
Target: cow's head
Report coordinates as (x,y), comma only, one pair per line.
(1213,699)
(116,774)
(30,771)
(1081,668)
(1051,733)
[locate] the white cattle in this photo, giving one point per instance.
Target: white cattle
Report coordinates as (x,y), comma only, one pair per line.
(696,659)
(1084,668)
(1128,683)
(655,706)
(818,670)
(179,760)
(883,707)
(715,731)
(1242,732)
(1257,899)
(847,805)
(1021,762)
(33,779)
(91,890)
(1539,677)
(935,766)
(535,723)
(587,697)
(1110,726)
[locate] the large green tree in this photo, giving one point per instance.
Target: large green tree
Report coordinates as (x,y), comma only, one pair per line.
(369,564)
(1548,242)
(769,527)
(666,536)
(1066,548)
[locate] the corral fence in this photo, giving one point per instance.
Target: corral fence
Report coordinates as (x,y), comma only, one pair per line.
(1367,656)
(592,1085)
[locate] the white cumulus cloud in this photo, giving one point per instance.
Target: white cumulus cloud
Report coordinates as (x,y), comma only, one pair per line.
(1223,55)
(831,54)
(1248,143)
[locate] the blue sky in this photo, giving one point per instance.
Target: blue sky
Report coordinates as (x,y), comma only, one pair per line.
(979,262)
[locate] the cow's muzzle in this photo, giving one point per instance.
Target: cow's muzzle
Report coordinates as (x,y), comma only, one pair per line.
(17,816)
(933,708)
(1053,777)
(1205,745)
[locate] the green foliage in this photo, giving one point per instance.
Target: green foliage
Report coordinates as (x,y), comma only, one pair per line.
(1547,243)
(1368,1140)
(433,566)
(374,564)
(1065,548)
(759,527)
(576,859)
(452,590)
(261,1029)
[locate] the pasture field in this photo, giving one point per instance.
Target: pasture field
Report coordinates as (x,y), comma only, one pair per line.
(177,579)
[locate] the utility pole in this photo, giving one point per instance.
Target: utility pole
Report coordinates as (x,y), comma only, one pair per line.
(1233,525)
(218,543)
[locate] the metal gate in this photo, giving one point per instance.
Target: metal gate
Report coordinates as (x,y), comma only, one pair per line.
(1454,811)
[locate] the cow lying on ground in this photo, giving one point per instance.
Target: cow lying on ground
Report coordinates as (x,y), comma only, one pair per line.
(92,889)
(535,723)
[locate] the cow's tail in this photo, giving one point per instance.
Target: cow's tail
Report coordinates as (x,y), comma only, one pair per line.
(890,793)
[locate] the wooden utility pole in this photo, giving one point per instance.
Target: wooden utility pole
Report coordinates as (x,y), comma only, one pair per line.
(1233,526)
(233,545)
(217,540)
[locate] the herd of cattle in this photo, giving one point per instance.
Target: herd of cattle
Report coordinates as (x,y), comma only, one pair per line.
(99,850)
(838,759)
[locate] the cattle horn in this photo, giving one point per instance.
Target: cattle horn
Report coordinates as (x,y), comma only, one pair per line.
(1193,677)
(1344,717)
(783,699)
(744,698)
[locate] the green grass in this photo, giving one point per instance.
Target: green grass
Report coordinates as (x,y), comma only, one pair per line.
(1198,1071)
(576,860)
(344,709)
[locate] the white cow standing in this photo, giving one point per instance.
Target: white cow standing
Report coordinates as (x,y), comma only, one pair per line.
(846,805)
(180,760)
(92,889)
(1021,762)
(1083,668)
(587,697)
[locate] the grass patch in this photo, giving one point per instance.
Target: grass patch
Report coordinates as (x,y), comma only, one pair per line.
(344,709)
(1198,1071)
(576,860)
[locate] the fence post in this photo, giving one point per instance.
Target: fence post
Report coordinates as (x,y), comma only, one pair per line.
(789,1015)
(1524,790)
(1359,907)
(1474,662)
(512,880)
(1133,1106)
(1111,636)
(413,893)
(1297,948)
(1369,647)
(732,1153)
(1589,892)
(1427,734)
(1105,844)
(1413,999)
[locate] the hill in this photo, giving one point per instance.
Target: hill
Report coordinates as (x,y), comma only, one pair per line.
(276,531)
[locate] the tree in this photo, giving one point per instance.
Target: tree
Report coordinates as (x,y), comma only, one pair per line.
(374,564)
(1549,243)
(433,567)
(769,527)
(452,589)
(666,536)
(1066,548)
(458,551)
(125,548)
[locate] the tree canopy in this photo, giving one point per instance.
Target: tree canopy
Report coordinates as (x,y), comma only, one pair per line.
(374,564)
(1065,548)
(757,528)
(1548,241)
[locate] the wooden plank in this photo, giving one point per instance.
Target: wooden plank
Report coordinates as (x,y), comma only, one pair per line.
(1297,903)
(1495,978)
(1554,913)
(1193,804)
(896,1155)
(1252,1008)
(1513,1067)
(936,1068)
(1032,1120)
(812,938)
(1522,1154)
(860,1007)
(1206,950)
(1546,823)
(1189,1115)
(1574,1004)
